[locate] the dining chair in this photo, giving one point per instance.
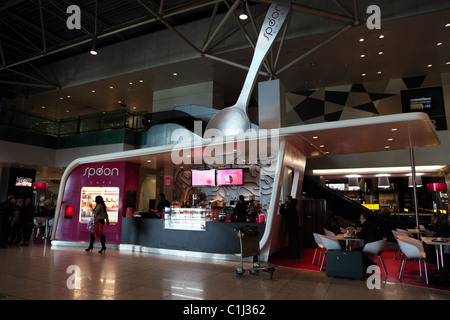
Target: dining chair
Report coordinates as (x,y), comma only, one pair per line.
(396,233)
(329,233)
(412,250)
(329,243)
(375,249)
(318,241)
(405,232)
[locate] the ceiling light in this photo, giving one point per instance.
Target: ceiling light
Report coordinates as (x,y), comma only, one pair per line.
(141,81)
(394,129)
(68,97)
(387,147)
(378,170)
(447,25)
(43,107)
(175,74)
(439,44)
(243,15)
(381,52)
(93,91)
(322,146)
(379,72)
(390,139)
(381,36)
(430,65)
(448,62)
(363,74)
(315,137)
(111,87)
(361,40)
(130,83)
(362,56)
(94,47)
(67,110)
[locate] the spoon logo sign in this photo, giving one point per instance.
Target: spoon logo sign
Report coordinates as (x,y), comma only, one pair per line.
(273,19)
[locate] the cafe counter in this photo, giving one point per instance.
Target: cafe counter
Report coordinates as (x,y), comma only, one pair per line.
(212,237)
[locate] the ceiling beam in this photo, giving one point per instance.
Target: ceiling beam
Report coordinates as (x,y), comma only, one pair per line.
(168,25)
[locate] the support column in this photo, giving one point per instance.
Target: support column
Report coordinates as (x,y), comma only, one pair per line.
(413,173)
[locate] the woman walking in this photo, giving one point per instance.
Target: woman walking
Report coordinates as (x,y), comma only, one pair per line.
(100,217)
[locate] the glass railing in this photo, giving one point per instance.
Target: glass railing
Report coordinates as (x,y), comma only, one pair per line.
(58,127)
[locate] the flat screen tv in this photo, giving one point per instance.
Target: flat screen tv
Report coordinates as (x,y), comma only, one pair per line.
(230,177)
(203,178)
(428,100)
(24,182)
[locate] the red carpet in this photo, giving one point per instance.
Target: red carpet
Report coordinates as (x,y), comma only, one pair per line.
(411,274)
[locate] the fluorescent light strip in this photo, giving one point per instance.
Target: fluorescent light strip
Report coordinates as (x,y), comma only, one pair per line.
(319,172)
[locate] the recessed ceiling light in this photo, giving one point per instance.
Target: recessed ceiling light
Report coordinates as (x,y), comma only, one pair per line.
(381,36)
(68,97)
(439,44)
(315,137)
(448,62)
(363,74)
(175,74)
(430,65)
(390,139)
(60,98)
(322,146)
(394,129)
(362,56)
(387,147)
(381,52)
(43,107)
(111,87)
(379,72)
(447,25)
(141,81)
(130,83)
(93,91)
(361,40)
(67,110)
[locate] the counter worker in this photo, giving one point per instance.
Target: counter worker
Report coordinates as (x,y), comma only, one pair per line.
(240,210)
(163,203)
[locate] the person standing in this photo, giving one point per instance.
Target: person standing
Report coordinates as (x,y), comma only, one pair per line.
(100,218)
(6,216)
(26,221)
(289,210)
(240,210)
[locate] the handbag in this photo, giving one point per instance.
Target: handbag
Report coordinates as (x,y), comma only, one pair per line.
(91,225)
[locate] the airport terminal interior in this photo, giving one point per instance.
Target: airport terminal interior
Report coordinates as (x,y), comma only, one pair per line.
(339,104)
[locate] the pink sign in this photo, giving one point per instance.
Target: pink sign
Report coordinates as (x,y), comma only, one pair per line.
(167,181)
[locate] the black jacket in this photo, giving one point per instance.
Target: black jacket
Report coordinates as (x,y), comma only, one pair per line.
(291,214)
(369,232)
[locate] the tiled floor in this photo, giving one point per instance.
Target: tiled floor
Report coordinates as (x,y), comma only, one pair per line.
(40,272)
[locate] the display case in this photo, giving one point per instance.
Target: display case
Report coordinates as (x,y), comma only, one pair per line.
(110,196)
(187,219)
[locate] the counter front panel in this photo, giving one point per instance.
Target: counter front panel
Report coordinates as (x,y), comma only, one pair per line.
(218,237)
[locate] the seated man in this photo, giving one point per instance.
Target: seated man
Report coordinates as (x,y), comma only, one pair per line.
(369,231)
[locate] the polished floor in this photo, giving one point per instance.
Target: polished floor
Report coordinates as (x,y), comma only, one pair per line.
(53,273)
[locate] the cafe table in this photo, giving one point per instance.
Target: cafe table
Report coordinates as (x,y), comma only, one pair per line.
(439,244)
(348,240)
(416,232)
